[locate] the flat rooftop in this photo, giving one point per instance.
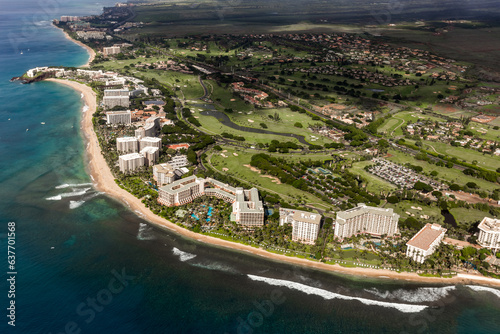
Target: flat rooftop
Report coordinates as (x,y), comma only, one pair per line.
(426,236)
(307,217)
(361,209)
(490,225)
(131,156)
(121,112)
(149,149)
(126,139)
(151,139)
(176,186)
(164,168)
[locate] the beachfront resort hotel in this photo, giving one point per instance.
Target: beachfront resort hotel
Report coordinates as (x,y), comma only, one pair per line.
(164,174)
(116,97)
(305,225)
(130,162)
(489,233)
(425,242)
(366,219)
(247,208)
(119,117)
(127,144)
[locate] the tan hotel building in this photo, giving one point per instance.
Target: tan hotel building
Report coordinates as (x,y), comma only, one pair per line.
(489,233)
(247,208)
(366,219)
(424,243)
(305,225)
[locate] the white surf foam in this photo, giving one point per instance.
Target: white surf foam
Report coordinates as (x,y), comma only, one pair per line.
(145,232)
(82,96)
(406,308)
(54,198)
(484,289)
(41,23)
(66,185)
(215,266)
(414,296)
(75,204)
(183,256)
(85,108)
(75,193)
(70,194)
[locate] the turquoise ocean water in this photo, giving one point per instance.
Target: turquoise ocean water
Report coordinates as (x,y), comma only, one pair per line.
(86,264)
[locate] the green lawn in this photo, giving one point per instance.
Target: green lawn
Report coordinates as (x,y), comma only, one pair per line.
(117,65)
(187,86)
(405,207)
(235,167)
(484,131)
(469,155)
(468,216)
(495,122)
(211,125)
(393,126)
(254,118)
(485,161)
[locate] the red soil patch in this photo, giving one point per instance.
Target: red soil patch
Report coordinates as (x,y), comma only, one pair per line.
(447,108)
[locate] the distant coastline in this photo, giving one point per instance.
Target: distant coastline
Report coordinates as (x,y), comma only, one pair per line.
(104,181)
(89,50)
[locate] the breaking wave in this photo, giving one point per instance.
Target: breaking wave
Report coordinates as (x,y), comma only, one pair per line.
(484,289)
(414,296)
(54,198)
(74,193)
(66,185)
(146,232)
(85,108)
(406,308)
(75,204)
(183,256)
(215,266)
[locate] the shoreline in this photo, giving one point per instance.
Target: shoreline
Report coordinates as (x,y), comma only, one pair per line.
(89,50)
(104,181)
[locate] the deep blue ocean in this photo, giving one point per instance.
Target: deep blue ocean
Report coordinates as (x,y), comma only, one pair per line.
(87,264)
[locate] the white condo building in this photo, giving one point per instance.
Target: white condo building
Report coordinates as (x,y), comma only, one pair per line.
(150,142)
(112,50)
(425,242)
(248,209)
(127,144)
(489,233)
(151,155)
(366,219)
(130,162)
(116,97)
(116,92)
(305,225)
(119,117)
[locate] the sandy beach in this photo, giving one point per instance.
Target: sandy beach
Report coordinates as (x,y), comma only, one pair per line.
(90,51)
(105,182)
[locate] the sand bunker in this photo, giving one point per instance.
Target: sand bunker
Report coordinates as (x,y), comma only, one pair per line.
(273,178)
